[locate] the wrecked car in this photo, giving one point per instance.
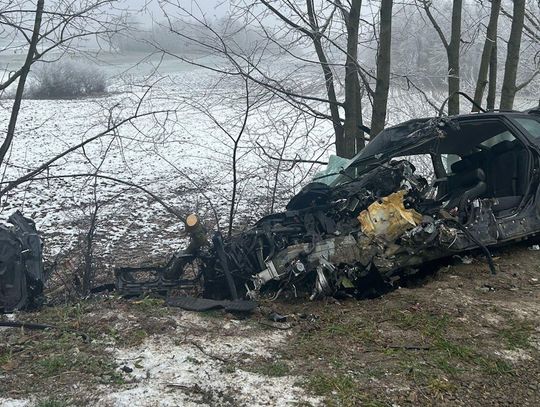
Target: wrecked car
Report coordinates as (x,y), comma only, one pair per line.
(422,190)
(22,276)
(419,191)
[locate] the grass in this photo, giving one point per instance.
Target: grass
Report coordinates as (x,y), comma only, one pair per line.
(149,303)
(5,357)
(517,336)
(273,369)
(212,314)
(440,386)
(428,323)
(52,402)
(59,356)
(344,352)
(340,390)
(455,355)
(53,365)
(66,354)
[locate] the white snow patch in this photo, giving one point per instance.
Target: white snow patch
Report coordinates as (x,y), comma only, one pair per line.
(514,355)
(191,368)
(6,402)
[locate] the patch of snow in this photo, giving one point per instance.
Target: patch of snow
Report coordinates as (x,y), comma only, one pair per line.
(7,402)
(193,369)
(516,355)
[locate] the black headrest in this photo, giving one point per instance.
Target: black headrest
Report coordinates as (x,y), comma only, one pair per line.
(469,162)
(467,178)
(462,165)
(503,146)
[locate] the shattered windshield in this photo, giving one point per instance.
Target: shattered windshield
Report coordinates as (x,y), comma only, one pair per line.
(389,143)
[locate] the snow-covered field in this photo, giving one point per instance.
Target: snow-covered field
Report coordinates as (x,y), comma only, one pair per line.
(182,154)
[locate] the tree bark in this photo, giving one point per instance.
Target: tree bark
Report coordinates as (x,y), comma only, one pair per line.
(327,71)
(453,59)
(348,145)
(489,44)
(380,100)
(492,85)
(509,88)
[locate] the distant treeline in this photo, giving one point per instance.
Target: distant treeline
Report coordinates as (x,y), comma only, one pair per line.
(416,51)
(187,37)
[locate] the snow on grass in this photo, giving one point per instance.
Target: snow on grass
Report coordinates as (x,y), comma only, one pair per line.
(6,402)
(191,368)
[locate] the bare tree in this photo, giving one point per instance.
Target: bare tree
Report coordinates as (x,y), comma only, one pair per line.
(492,79)
(332,29)
(53,29)
(524,33)
(380,99)
(349,137)
(452,48)
(22,75)
(353,139)
(509,87)
(489,56)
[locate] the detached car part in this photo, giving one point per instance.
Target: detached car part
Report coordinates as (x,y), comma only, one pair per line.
(21,264)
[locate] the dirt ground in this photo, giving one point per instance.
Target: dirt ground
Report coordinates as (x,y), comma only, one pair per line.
(455,337)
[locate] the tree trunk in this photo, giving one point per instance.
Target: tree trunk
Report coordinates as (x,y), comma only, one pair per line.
(453,58)
(509,89)
(348,145)
(491,39)
(327,71)
(492,87)
(380,100)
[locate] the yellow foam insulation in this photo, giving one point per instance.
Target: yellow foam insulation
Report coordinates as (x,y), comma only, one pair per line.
(389,218)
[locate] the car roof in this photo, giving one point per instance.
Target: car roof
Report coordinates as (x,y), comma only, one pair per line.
(498,113)
(422,127)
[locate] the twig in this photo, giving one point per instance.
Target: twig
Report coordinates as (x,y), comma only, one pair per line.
(204,352)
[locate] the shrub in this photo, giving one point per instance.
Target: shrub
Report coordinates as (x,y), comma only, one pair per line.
(67,79)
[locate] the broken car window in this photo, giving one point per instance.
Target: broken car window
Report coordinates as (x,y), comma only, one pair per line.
(422,163)
(504,136)
(332,170)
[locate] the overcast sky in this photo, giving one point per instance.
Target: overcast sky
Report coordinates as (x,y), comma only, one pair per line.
(212,8)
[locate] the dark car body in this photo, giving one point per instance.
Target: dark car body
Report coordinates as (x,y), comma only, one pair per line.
(21,265)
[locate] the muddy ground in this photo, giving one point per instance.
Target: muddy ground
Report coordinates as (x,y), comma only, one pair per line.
(456,337)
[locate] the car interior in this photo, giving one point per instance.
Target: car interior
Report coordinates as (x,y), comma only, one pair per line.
(490,162)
